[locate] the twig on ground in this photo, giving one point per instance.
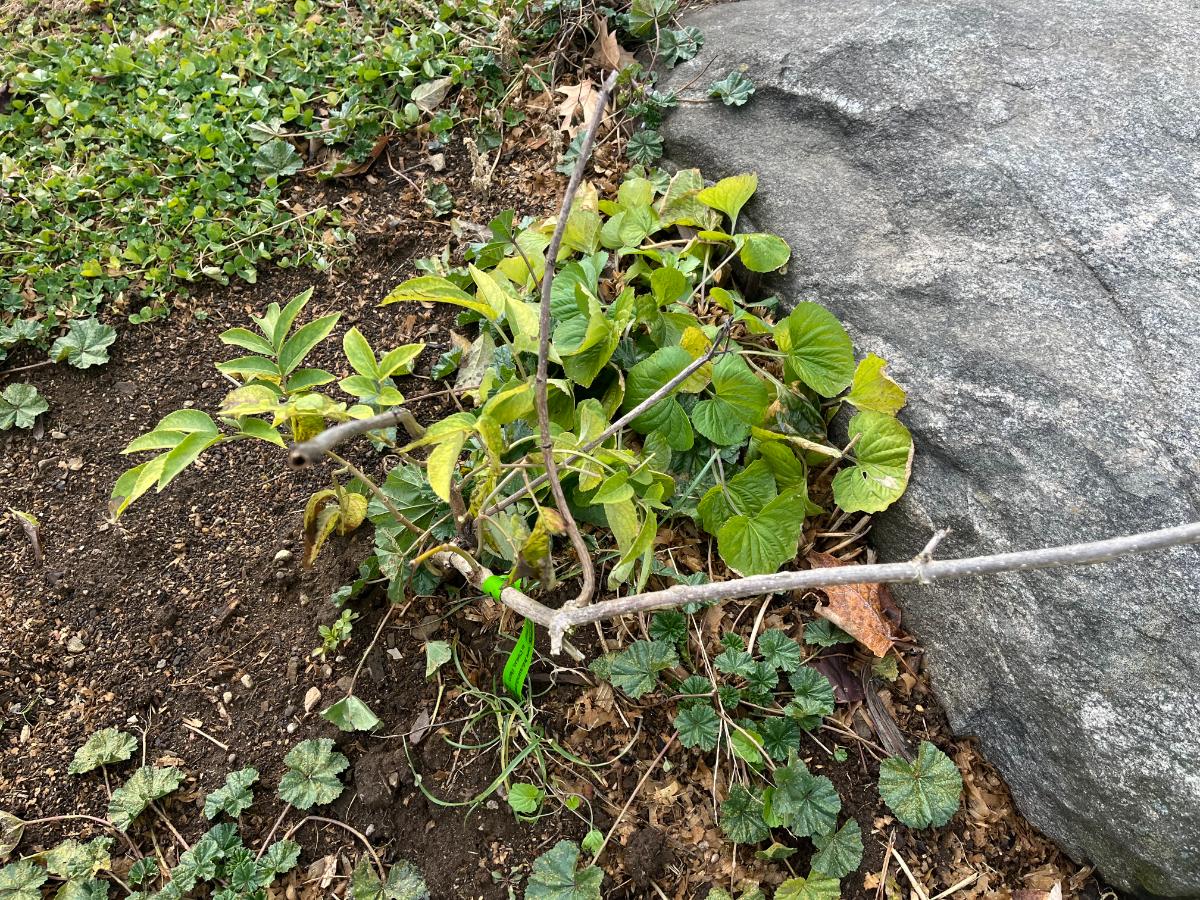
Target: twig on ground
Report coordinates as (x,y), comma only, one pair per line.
(36,365)
(916,885)
(588,587)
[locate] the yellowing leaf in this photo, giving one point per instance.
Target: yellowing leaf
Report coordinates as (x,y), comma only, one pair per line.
(433,289)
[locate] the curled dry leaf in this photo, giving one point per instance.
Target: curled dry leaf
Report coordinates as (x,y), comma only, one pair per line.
(578,99)
(865,611)
(606,51)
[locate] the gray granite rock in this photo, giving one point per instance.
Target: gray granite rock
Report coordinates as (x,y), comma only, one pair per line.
(1003,199)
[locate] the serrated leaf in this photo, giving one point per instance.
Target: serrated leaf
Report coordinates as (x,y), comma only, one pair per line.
(812,697)
(780,737)
(739,401)
(525,798)
(839,852)
(281,857)
(883,457)
(665,416)
(729,195)
(234,797)
(403,882)
(277,157)
(696,685)
(924,792)
(670,625)
(592,841)
(20,405)
(635,669)
(873,389)
(312,775)
(804,803)
(732,90)
(147,784)
(300,344)
(143,869)
(698,726)
(823,633)
(816,886)
(88,889)
(733,661)
(85,344)
(22,881)
(104,748)
(761,544)
(742,817)
(779,651)
(75,861)
(555,877)
(351,714)
(816,349)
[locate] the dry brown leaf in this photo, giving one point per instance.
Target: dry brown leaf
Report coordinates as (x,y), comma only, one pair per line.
(606,51)
(579,99)
(864,611)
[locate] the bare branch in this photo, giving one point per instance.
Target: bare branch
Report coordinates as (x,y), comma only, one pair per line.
(918,570)
(540,384)
(305,454)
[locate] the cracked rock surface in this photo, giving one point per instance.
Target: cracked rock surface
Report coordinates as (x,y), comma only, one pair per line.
(1003,199)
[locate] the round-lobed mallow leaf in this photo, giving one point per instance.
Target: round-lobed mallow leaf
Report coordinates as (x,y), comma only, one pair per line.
(312,775)
(816,886)
(555,876)
(779,651)
(635,669)
(742,816)
(804,803)
(924,792)
(698,727)
(20,405)
(104,748)
(838,852)
(85,344)
(22,880)
(147,784)
(234,797)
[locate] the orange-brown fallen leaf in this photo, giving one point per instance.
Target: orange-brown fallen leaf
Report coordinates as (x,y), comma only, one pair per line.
(864,611)
(578,99)
(606,51)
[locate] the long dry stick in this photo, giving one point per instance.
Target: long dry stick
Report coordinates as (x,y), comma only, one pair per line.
(588,586)
(920,570)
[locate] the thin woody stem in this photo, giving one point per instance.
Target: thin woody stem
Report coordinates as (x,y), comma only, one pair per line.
(305,454)
(919,570)
(588,587)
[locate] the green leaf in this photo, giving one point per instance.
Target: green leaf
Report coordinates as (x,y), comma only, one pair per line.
(763,252)
(816,349)
(300,344)
(775,853)
(277,157)
(20,405)
(234,797)
(22,881)
(804,803)
(635,669)
(698,726)
(73,861)
(812,697)
(351,714)
(745,743)
(671,626)
(437,654)
(311,779)
(761,544)
(698,686)
(85,343)
(443,463)
(11,829)
(645,146)
(780,737)
(359,354)
(433,289)
(554,876)
(816,886)
(746,493)
(404,882)
(281,857)
(732,90)
(729,195)
(525,799)
(592,841)
(883,457)
(823,633)
(924,792)
(144,868)
(247,340)
(399,361)
(665,416)
(839,852)
(586,343)
(742,817)
(740,400)
(733,661)
(146,785)
(779,650)
(104,748)
(873,389)
(183,455)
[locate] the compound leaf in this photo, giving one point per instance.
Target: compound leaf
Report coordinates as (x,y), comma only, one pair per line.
(312,775)
(924,792)
(104,748)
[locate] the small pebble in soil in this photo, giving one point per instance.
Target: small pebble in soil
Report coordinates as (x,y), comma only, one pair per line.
(311,698)
(58,436)
(283,556)
(227,697)
(247,682)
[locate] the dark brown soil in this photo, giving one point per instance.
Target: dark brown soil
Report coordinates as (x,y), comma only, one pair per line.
(191,622)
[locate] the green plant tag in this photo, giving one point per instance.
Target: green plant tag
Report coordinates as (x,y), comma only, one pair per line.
(519,660)
(493,585)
